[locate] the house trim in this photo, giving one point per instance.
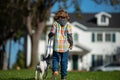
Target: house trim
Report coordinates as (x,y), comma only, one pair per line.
(85,28)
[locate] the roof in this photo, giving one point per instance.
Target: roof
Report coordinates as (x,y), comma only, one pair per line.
(103,13)
(90,21)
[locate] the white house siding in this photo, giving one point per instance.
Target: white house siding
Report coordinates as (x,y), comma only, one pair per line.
(118,38)
(41,48)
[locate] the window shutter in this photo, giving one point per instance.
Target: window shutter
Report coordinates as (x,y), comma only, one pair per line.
(93,37)
(113,37)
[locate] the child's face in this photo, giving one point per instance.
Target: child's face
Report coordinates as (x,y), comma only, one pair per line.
(62,20)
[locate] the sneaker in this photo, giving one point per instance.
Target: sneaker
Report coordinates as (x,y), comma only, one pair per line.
(63,78)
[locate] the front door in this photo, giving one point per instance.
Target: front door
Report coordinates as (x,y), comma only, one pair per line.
(75,62)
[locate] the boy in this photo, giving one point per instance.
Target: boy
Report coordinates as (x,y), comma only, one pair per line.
(62,32)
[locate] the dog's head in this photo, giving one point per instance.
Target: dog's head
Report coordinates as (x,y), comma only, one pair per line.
(46,58)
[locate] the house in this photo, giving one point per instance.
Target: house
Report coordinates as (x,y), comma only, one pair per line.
(100,34)
(96,40)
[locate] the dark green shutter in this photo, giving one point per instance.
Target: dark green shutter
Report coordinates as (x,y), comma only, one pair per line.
(113,37)
(93,37)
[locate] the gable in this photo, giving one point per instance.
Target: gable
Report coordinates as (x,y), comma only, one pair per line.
(103,18)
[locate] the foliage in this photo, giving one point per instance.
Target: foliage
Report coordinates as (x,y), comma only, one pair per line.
(111,2)
(11,20)
(20,63)
(29,75)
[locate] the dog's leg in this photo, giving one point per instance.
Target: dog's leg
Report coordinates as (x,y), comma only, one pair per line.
(36,75)
(46,73)
(41,75)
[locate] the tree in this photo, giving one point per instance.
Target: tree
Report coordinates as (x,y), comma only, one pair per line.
(10,19)
(111,2)
(38,13)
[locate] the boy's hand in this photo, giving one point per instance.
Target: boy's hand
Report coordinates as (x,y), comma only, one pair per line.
(71,47)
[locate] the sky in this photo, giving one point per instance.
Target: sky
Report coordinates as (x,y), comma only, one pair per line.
(87,6)
(15,47)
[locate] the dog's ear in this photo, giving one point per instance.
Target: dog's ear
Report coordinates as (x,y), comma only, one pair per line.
(49,56)
(42,57)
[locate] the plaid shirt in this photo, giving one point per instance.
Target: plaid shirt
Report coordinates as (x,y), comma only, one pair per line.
(61,43)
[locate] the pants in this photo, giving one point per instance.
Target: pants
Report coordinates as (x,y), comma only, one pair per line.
(63,59)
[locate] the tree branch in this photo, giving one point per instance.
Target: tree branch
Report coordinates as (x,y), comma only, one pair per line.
(29,26)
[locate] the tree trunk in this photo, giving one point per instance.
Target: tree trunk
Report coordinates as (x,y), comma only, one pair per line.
(4,56)
(35,37)
(1,59)
(35,43)
(9,55)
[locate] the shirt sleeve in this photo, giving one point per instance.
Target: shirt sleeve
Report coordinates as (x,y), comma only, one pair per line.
(69,34)
(53,29)
(69,28)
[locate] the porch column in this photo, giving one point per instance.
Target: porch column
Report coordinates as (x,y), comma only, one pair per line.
(70,63)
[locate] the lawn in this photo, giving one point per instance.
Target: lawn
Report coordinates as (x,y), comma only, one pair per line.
(27,74)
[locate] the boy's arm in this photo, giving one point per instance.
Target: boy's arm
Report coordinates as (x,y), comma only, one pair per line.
(69,35)
(52,31)
(70,40)
(50,35)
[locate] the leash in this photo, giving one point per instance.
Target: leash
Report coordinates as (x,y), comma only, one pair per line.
(49,47)
(48,51)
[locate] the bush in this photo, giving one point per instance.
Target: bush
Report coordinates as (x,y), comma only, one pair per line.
(20,63)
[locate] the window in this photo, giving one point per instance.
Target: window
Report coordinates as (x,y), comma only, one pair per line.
(110,37)
(97,60)
(76,37)
(103,19)
(108,59)
(107,37)
(99,37)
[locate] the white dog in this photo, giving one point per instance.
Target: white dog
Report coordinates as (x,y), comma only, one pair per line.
(42,67)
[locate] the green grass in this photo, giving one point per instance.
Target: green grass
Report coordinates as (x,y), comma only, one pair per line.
(27,74)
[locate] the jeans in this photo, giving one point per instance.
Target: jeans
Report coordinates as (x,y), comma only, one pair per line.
(63,59)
